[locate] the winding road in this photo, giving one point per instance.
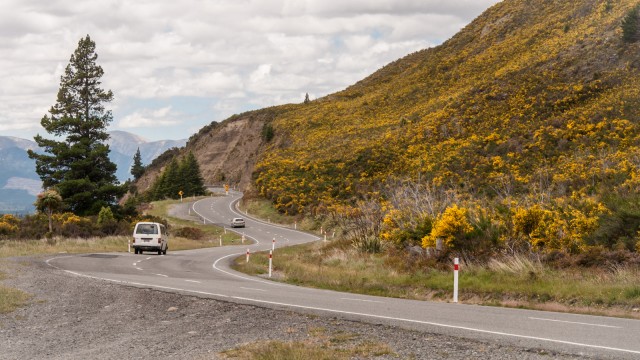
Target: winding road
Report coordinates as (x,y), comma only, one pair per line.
(207,273)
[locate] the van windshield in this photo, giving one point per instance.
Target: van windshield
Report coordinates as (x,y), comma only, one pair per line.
(147,229)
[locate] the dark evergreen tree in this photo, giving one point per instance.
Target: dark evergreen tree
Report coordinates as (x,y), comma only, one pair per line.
(182,176)
(193,183)
(173,180)
(79,166)
(137,169)
(631,25)
(306,98)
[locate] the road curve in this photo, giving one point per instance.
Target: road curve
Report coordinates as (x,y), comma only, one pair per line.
(207,273)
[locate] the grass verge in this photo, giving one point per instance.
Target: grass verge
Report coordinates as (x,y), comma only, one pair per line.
(11,299)
(318,346)
(514,282)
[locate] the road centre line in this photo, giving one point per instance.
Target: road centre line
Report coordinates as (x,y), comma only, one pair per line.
(163,275)
(193,281)
(577,323)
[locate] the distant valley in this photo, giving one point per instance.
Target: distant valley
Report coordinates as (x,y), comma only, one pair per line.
(19,183)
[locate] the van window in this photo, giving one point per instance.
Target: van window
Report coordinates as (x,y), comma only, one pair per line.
(147,229)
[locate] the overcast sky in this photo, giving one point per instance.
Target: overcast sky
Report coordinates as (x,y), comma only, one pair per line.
(175,66)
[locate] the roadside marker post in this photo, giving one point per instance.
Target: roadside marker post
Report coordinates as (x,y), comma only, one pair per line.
(273,244)
(455,279)
(247,255)
(220,240)
(270,262)
(243,238)
(129,245)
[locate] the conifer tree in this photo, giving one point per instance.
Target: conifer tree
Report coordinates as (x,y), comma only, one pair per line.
(79,165)
(137,169)
(193,183)
(631,25)
(177,176)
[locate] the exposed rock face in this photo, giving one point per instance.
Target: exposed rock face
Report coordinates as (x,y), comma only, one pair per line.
(226,152)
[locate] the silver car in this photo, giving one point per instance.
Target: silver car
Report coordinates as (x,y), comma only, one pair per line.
(237,222)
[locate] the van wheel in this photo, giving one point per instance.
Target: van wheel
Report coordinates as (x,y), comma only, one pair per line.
(135,251)
(165,250)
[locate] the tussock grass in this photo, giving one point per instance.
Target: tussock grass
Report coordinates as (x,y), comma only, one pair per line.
(511,281)
(11,248)
(263,209)
(319,346)
(11,299)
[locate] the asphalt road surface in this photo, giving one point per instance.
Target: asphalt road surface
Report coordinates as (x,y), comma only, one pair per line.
(207,273)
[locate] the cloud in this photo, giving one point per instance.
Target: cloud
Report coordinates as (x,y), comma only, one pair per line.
(229,54)
(145,118)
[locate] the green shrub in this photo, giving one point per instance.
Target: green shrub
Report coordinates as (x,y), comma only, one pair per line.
(189,233)
(631,25)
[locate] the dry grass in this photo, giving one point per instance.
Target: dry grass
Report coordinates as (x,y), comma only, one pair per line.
(319,345)
(512,281)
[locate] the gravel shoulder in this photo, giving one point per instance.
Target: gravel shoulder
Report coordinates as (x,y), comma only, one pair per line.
(72,317)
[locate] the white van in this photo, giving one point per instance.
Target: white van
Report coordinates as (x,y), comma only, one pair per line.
(150,236)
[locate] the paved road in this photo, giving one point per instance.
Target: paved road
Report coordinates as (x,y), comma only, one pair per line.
(206,272)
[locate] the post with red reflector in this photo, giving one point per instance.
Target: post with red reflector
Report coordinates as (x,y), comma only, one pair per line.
(455,279)
(270,262)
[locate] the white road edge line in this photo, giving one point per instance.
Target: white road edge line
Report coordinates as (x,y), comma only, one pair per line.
(363,300)
(246,288)
(193,281)
(273,283)
(577,323)
(373,316)
(163,275)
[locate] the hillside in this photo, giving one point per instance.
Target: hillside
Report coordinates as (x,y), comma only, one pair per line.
(534,102)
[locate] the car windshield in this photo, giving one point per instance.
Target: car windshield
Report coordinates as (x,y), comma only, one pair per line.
(147,229)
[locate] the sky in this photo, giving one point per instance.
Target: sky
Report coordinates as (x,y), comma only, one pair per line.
(176,66)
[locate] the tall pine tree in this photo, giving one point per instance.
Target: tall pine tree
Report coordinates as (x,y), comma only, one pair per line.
(137,169)
(79,166)
(193,182)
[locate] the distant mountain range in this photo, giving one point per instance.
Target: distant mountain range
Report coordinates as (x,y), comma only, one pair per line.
(19,183)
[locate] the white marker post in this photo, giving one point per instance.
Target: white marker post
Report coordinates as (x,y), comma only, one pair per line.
(270,262)
(455,280)
(220,240)
(273,244)
(247,255)
(295,225)
(129,245)
(243,238)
